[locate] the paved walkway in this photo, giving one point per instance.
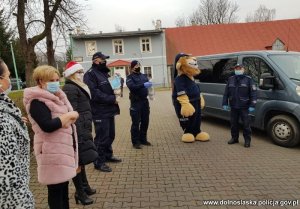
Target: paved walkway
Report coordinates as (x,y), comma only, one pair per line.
(171,174)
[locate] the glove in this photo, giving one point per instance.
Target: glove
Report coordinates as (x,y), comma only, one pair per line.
(251,109)
(225,107)
(202,102)
(186,108)
(148,84)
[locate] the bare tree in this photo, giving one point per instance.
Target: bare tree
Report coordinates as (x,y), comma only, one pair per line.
(214,12)
(35,20)
(261,14)
(180,21)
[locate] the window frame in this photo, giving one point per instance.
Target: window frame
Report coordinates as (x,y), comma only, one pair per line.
(141,44)
(151,70)
(88,53)
(122,45)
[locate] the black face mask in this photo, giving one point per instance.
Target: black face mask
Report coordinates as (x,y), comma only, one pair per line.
(102,66)
(137,70)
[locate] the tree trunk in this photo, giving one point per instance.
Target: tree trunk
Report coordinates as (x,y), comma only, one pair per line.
(50,50)
(31,63)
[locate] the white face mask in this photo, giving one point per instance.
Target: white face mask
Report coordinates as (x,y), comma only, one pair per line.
(7,91)
(79,76)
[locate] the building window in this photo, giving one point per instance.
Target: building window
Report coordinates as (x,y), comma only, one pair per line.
(118,46)
(145,44)
(91,48)
(148,71)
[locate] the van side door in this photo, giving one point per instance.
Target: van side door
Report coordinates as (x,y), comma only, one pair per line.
(213,78)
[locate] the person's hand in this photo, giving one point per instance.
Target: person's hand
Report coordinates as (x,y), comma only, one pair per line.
(118,98)
(251,109)
(68,118)
(24,119)
(148,84)
(225,107)
(73,115)
(117,91)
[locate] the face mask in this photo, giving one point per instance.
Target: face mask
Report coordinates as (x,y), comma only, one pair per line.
(239,72)
(53,87)
(137,70)
(7,91)
(79,76)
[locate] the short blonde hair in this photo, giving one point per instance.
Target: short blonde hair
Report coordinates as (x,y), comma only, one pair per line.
(44,73)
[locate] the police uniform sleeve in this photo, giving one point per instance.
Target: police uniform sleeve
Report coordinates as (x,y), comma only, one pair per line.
(132,85)
(96,94)
(180,86)
(253,93)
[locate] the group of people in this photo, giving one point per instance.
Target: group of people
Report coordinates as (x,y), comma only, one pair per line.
(62,123)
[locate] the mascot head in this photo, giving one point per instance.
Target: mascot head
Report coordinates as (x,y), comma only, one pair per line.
(186,64)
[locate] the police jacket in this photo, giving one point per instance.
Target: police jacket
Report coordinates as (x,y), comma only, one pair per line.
(103,101)
(184,85)
(135,83)
(240,92)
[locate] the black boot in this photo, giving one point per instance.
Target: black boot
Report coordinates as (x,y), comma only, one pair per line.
(85,184)
(80,195)
(233,141)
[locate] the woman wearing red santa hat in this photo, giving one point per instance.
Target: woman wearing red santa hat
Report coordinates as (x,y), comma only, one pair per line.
(79,96)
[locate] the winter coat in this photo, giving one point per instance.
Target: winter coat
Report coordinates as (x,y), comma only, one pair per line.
(80,101)
(14,158)
(56,152)
(103,100)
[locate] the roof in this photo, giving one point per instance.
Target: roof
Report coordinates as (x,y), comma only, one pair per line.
(119,63)
(118,34)
(225,38)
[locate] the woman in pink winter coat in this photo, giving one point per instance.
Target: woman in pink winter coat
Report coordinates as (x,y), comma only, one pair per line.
(55,143)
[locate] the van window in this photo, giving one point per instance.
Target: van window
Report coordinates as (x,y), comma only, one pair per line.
(255,66)
(216,70)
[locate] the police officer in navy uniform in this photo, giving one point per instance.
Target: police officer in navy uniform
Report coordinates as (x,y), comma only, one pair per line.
(240,96)
(138,84)
(104,104)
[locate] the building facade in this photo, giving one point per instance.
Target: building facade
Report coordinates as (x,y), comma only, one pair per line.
(148,47)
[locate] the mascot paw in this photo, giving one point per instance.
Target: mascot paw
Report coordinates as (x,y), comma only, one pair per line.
(187,110)
(188,138)
(203,136)
(202,102)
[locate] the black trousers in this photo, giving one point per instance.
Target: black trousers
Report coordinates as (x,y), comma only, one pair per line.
(58,196)
(105,136)
(236,114)
(139,112)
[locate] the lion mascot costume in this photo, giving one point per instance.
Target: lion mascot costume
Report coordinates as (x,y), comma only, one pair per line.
(187,99)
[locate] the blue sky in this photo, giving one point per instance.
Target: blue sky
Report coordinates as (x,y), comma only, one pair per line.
(134,14)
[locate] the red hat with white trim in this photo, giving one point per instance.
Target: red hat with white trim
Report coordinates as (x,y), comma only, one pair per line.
(71,68)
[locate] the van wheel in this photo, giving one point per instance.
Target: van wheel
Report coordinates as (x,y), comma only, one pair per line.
(284,131)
